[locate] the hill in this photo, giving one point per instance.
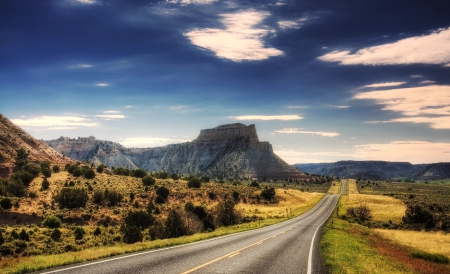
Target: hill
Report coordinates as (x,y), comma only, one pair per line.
(13,137)
(370,170)
(434,171)
(227,151)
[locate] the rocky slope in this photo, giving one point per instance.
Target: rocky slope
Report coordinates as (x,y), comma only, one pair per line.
(229,151)
(13,137)
(370,170)
(434,171)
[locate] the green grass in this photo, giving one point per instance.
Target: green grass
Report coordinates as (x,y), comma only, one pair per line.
(346,248)
(431,257)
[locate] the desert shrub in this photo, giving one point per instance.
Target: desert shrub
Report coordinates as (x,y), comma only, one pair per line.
(122,171)
(72,197)
(254,184)
(163,192)
(89,174)
(6,203)
(268,193)
(139,173)
(56,234)
(174,225)
(194,183)
(79,233)
(150,207)
(174,176)
(21,158)
(23,176)
(156,231)
(205,217)
(23,235)
(416,214)
(14,234)
(113,197)
(7,249)
(159,199)
(56,168)
(100,169)
(77,172)
(32,194)
(45,184)
(51,221)
(45,164)
(204,179)
(2,239)
(139,219)
(192,222)
(161,175)
(46,172)
(235,195)
(97,231)
(225,214)
(33,169)
(148,180)
(361,213)
(131,234)
(16,188)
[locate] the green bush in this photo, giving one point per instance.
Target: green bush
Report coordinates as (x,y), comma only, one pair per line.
(6,203)
(23,176)
(194,183)
(16,188)
(23,235)
(56,235)
(79,233)
(33,169)
(113,197)
(225,214)
(56,168)
(139,219)
(44,165)
(46,172)
(97,197)
(51,221)
(122,171)
(163,192)
(89,174)
(100,169)
(254,184)
(174,226)
(72,197)
(45,184)
(148,180)
(268,193)
(131,234)
(139,173)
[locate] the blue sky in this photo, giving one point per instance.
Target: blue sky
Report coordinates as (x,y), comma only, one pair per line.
(322,80)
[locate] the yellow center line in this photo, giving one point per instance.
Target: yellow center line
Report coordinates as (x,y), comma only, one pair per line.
(229,255)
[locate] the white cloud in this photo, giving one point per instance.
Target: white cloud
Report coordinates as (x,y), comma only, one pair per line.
(266,117)
(416,152)
(55,122)
(383,85)
(111,111)
(111,116)
(242,38)
(289,24)
(301,131)
(129,106)
(433,48)
(427,104)
(176,107)
(426,82)
(86,2)
(102,84)
(196,2)
(341,107)
(298,106)
(149,141)
(80,66)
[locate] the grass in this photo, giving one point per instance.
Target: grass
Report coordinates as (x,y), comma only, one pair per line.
(431,257)
(352,188)
(335,188)
(431,242)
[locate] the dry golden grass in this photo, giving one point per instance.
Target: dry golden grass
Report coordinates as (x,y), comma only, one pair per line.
(383,208)
(352,188)
(432,242)
(289,199)
(335,188)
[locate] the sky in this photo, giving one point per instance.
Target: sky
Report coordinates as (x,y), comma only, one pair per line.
(322,80)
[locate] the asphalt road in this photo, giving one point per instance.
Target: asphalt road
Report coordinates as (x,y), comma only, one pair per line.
(288,247)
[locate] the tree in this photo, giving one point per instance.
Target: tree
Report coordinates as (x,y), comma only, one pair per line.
(225,213)
(33,169)
(254,184)
(163,191)
(56,168)
(268,193)
(46,172)
(79,233)
(16,188)
(6,203)
(21,157)
(416,214)
(56,235)
(23,176)
(45,184)
(139,219)
(89,174)
(131,234)
(362,213)
(139,173)
(174,226)
(51,221)
(148,180)
(72,197)
(100,169)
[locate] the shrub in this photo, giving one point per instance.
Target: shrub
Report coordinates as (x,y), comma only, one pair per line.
(23,176)
(100,169)
(268,193)
(131,234)
(89,174)
(16,188)
(6,203)
(113,197)
(97,231)
(161,175)
(45,184)
(46,172)
(174,225)
(79,233)
(204,179)
(33,169)
(235,195)
(45,164)
(56,168)
(2,239)
(23,235)
(72,197)
(225,214)
(148,180)
(254,184)
(56,235)
(156,231)
(194,183)
(77,172)
(51,221)
(139,219)
(159,199)
(122,171)
(139,173)
(361,213)
(416,214)
(21,156)
(163,192)
(174,176)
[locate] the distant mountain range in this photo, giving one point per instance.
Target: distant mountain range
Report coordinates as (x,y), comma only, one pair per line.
(229,151)
(378,170)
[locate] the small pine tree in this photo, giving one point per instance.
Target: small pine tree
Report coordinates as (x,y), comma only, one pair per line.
(45,184)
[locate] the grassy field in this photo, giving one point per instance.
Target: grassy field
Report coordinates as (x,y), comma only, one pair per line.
(335,188)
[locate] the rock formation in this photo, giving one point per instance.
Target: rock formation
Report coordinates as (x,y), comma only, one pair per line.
(227,151)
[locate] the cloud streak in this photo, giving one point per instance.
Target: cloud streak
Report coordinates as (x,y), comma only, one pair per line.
(55,122)
(427,49)
(266,117)
(301,131)
(241,40)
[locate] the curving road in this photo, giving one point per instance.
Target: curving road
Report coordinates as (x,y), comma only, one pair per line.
(287,247)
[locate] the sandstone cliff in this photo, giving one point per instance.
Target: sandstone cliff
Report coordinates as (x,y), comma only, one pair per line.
(229,151)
